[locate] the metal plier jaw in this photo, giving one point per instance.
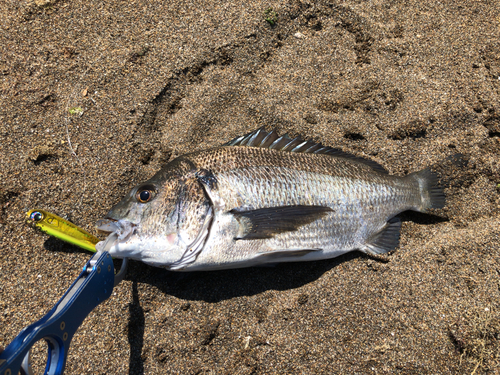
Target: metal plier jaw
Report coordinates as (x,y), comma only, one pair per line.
(93,286)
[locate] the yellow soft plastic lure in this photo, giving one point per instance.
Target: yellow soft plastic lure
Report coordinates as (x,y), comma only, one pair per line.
(56,226)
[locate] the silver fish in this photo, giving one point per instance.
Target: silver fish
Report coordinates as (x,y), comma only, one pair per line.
(262,199)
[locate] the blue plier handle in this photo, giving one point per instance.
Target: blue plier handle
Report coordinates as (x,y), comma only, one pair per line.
(92,287)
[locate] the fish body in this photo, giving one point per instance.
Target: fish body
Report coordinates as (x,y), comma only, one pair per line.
(265,199)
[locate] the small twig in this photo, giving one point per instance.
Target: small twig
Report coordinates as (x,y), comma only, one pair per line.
(79,161)
(477,366)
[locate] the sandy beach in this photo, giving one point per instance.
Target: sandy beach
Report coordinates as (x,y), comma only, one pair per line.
(95,97)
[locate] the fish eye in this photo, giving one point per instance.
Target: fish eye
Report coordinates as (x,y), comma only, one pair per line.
(145,194)
(36,216)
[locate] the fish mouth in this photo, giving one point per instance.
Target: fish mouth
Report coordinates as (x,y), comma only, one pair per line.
(106,226)
(117,231)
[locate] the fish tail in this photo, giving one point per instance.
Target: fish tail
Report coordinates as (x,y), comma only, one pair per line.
(431,193)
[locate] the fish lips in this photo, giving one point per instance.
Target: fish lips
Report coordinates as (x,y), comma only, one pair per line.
(106,226)
(121,243)
(117,231)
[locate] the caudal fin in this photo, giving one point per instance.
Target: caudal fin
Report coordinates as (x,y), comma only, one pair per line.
(432,195)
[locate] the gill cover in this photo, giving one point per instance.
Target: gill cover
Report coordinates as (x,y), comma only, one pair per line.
(170,215)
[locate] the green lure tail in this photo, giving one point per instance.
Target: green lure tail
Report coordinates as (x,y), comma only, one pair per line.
(56,226)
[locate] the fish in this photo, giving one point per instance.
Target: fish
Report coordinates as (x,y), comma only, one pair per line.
(56,226)
(264,199)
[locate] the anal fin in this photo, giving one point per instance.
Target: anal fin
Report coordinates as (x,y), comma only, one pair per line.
(385,240)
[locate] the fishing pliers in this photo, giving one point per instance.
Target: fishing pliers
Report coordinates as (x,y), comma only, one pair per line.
(94,285)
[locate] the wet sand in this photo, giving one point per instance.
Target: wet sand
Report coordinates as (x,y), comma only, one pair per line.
(96,97)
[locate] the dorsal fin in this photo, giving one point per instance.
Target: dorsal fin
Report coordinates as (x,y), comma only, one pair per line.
(263,139)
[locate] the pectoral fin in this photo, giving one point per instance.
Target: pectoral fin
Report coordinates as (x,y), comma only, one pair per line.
(267,222)
(280,255)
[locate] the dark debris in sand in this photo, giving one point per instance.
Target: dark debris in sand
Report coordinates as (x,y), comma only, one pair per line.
(136,83)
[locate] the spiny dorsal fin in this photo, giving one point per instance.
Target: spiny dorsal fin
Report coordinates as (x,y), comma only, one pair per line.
(263,139)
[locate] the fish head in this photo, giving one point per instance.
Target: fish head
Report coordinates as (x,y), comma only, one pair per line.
(158,220)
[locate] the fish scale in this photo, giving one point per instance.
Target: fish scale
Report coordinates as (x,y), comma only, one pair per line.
(262,199)
(336,192)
